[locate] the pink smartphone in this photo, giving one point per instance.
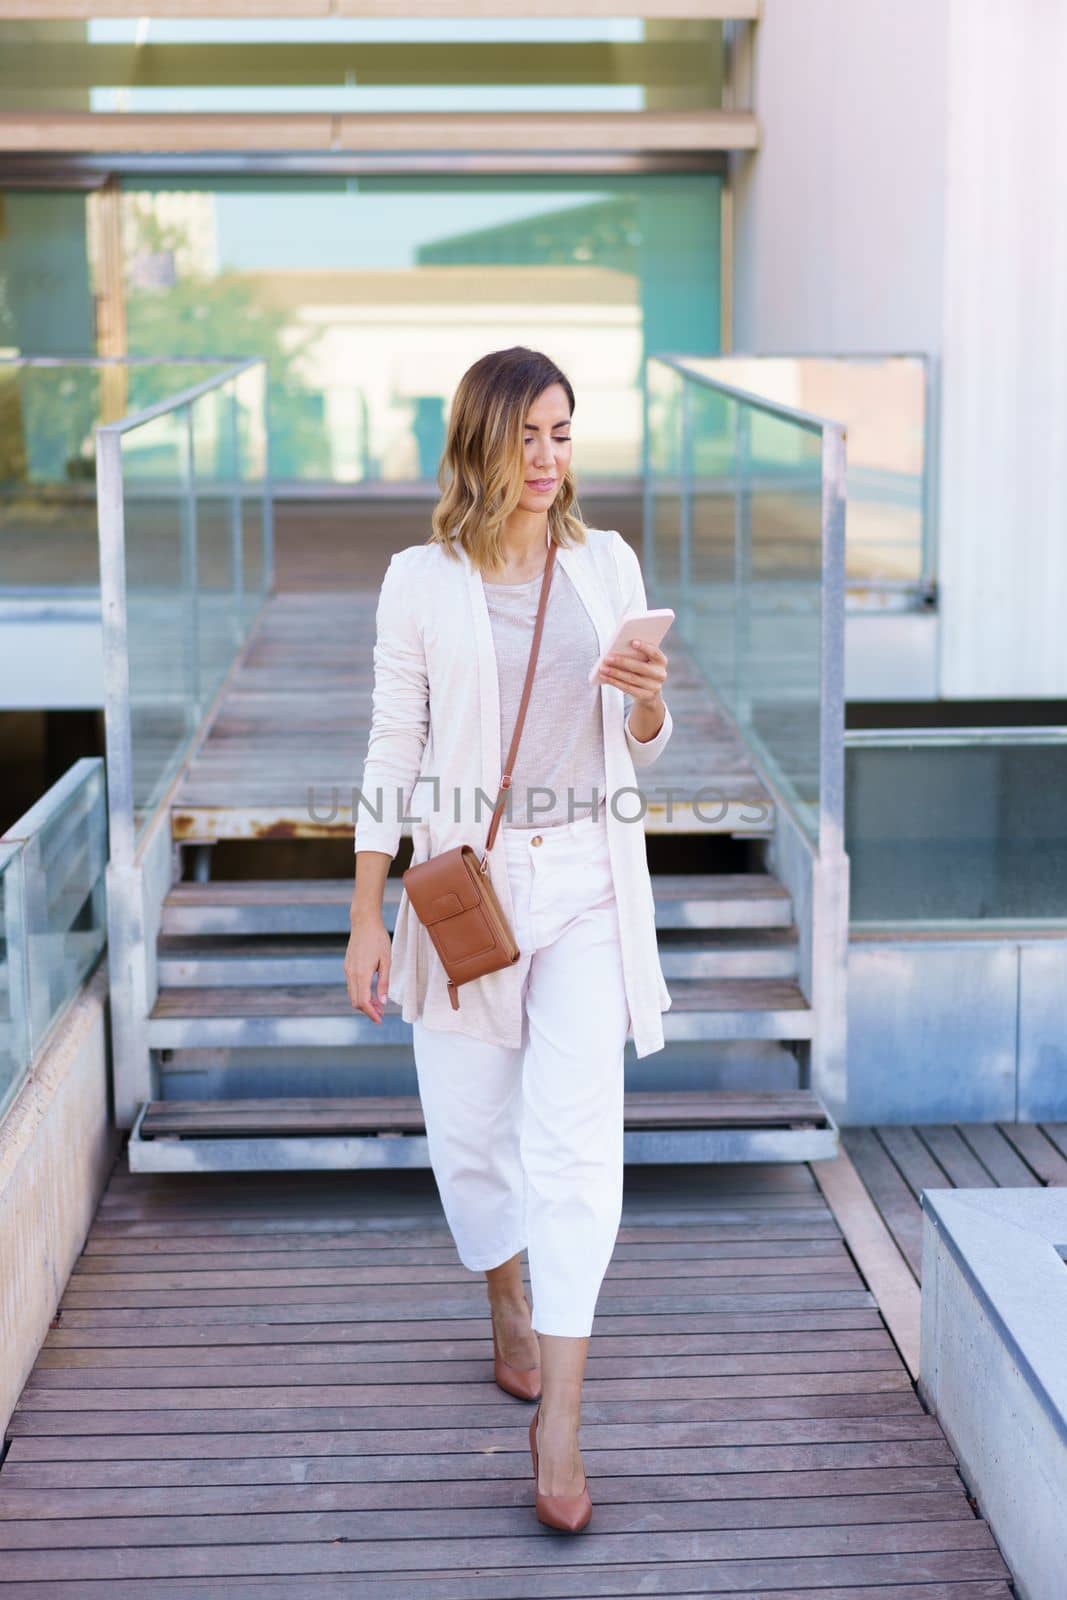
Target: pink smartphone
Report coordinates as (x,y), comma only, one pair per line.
(650,626)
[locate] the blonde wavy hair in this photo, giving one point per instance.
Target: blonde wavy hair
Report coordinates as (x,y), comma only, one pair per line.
(482,467)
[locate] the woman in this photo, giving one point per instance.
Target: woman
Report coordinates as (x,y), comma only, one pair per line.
(522,1086)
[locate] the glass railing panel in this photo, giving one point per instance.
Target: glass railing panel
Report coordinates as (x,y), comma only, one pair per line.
(949,827)
(185,527)
(216,511)
(779,599)
(883,403)
(53,913)
(663,484)
(65,857)
(711,423)
(14,1000)
(162,612)
(737,533)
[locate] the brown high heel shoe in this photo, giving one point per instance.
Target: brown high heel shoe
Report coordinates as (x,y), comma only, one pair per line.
(523,1382)
(567,1512)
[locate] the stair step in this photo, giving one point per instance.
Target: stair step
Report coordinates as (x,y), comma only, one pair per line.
(345,1134)
(312,906)
(291,1116)
(721,900)
(261,960)
(320,1014)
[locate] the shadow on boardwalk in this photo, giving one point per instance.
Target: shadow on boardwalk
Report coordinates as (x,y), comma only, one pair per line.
(272,1383)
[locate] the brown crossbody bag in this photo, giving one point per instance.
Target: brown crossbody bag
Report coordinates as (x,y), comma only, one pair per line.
(452,893)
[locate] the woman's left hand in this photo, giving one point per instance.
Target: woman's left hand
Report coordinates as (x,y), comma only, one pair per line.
(640,675)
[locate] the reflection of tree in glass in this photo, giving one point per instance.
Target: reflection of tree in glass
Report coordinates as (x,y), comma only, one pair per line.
(47,416)
(175,307)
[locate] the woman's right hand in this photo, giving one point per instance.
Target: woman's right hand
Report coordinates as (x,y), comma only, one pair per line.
(369,951)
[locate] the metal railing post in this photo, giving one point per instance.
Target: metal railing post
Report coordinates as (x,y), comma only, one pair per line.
(685,505)
(743,566)
(190,575)
(831,880)
(237,545)
(131,1061)
(268,491)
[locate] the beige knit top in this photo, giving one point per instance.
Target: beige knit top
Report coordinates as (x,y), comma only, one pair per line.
(559,770)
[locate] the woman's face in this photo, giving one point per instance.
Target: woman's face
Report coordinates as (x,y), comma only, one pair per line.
(546,448)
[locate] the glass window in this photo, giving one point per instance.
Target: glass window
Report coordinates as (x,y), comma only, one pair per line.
(370,296)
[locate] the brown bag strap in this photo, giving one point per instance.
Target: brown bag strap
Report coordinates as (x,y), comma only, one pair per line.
(509,765)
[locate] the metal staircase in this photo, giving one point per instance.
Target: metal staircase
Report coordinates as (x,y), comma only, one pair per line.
(228,706)
(251,992)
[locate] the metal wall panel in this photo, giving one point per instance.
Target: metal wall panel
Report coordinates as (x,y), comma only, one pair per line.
(931,1031)
(1042,1067)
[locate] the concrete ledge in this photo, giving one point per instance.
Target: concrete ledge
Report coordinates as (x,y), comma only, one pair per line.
(993,1364)
(56,1150)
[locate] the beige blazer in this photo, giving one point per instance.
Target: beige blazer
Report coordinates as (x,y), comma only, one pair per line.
(434,746)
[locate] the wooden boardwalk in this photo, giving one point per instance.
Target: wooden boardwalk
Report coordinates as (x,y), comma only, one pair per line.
(281,1384)
(898,1163)
(287,741)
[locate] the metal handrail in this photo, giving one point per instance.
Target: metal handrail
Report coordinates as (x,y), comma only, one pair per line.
(774,408)
(184,397)
(119,361)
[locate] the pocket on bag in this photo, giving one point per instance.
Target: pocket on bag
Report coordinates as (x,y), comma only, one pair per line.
(463,937)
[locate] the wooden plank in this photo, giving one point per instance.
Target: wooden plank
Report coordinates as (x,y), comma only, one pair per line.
(760,1553)
(802,1219)
(634,1580)
(351,1398)
(317,1249)
(113,1313)
(869,1343)
(96,1330)
(331,1000)
(848,1415)
(889,1192)
(955,1156)
(913,1160)
(360,1114)
(819,1271)
(463,1357)
(115,1463)
(415,1523)
(1057,1133)
(296,1306)
(937,1578)
(28,1494)
(685,1260)
(876,1253)
(456,1368)
(1042,1157)
(997,1155)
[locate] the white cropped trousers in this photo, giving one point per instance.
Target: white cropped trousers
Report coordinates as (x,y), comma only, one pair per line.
(526,1143)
